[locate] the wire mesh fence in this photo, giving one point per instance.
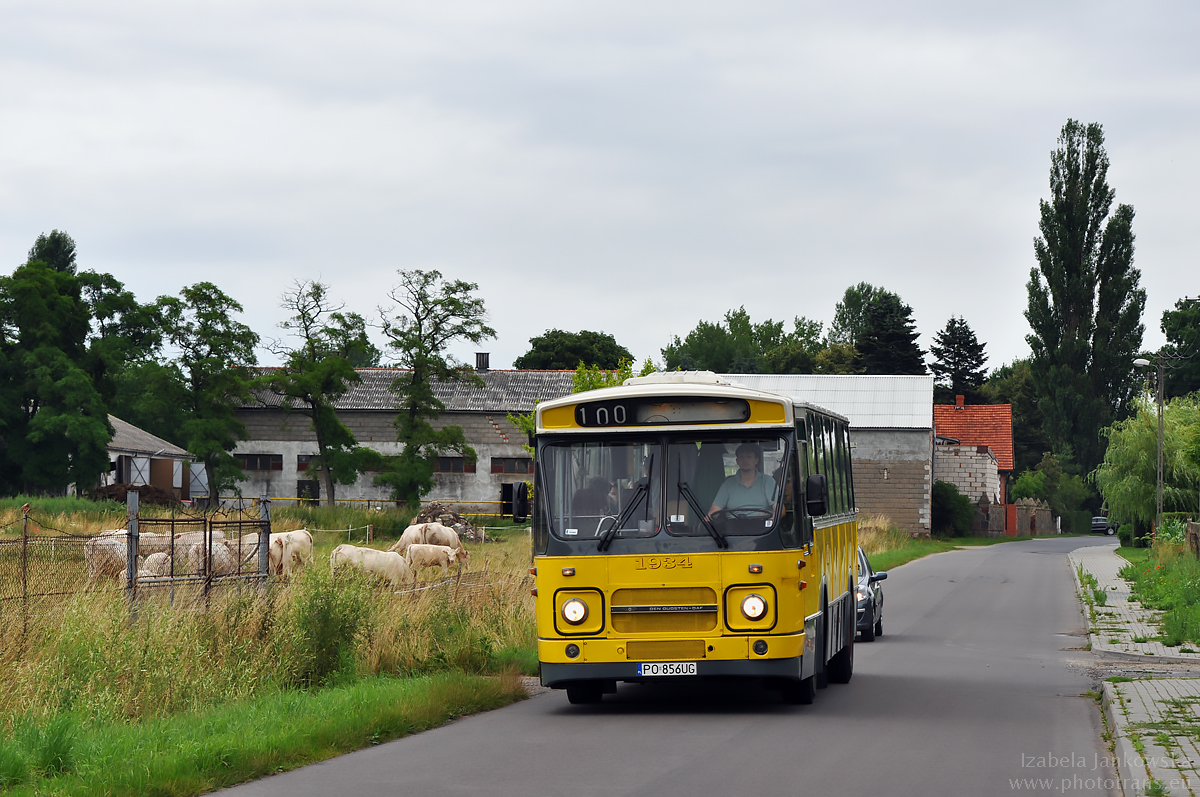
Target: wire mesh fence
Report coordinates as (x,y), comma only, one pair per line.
(184,556)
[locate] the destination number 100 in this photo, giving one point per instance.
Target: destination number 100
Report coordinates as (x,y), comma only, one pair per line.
(612,415)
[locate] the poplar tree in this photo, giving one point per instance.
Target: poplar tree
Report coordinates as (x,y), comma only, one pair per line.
(958,366)
(1085,306)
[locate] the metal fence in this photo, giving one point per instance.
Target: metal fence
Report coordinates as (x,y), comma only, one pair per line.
(183,556)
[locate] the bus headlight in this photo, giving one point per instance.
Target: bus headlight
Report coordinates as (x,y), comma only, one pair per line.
(574,611)
(754,607)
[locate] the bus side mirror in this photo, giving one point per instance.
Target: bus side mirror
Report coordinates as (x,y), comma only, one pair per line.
(816,494)
(521,502)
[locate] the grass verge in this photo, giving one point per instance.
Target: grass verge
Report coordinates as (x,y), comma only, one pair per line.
(193,753)
(1166,577)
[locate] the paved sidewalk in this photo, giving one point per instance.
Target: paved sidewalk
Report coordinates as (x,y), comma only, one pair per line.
(1154,722)
(1117,625)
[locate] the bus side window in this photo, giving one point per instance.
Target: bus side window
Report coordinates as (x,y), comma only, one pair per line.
(849,470)
(540,531)
(789,533)
(804,455)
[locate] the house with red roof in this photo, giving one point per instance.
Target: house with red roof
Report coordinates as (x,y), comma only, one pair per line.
(974,448)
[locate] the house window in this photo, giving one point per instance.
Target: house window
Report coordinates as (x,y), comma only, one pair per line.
(260,461)
(302,461)
(453,465)
(512,465)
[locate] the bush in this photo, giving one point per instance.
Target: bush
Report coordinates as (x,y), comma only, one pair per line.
(952,511)
(328,616)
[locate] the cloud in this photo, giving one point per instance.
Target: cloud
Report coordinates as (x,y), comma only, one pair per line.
(625,167)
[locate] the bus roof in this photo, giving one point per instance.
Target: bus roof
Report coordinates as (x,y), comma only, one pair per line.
(683,384)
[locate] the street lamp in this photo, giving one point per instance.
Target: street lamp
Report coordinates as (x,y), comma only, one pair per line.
(1141,362)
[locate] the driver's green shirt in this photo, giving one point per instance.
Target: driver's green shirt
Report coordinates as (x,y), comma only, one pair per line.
(735,495)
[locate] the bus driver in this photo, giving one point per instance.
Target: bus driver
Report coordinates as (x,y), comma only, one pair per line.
(749,488)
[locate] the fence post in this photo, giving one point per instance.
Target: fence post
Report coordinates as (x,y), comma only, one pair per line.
(131,503)
(25,570)
(264,540)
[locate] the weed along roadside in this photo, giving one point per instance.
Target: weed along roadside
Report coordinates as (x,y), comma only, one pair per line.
(1139,605)
(179,700)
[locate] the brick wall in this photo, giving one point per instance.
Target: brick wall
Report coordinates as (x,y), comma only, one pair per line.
(899,489)
(972,469)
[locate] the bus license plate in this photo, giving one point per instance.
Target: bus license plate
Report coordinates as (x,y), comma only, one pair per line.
(666,668)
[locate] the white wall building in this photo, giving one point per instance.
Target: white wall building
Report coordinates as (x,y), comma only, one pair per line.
(891,436)
(281,444)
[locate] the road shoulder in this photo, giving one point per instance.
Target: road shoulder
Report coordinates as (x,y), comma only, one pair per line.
(1152,711)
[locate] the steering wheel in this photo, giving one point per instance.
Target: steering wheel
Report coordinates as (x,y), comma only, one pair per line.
(744,513)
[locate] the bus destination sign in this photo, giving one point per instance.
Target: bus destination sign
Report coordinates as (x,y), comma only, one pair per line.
(655,411)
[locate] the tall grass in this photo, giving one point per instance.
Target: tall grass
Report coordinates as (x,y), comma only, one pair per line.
(1169,579)
(877,533)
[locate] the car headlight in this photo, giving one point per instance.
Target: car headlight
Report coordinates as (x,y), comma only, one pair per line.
(862,594)
(754,607)
(574,611)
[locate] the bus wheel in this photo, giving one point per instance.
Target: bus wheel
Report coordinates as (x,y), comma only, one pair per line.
(585,692)
(821,676)
(800,692)
(841,666)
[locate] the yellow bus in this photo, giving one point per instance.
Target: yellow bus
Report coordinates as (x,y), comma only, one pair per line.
(686,527)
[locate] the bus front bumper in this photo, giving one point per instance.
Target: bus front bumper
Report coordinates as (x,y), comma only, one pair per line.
(559,675)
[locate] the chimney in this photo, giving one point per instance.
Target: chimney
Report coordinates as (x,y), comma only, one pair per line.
(481,362)
(959,401)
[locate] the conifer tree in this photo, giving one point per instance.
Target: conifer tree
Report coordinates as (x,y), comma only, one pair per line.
(1085,306)
(958,366)
(889,339)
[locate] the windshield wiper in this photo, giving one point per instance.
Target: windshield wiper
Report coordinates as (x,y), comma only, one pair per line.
(686,492)
(642,490)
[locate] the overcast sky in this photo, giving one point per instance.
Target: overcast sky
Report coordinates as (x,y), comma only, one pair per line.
(630,167)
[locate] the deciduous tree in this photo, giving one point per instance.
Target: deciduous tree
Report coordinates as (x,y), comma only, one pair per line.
(53,421)
(216,353)
(317,371)
(737,345)
(1182,328)
(560,351)
(429,314)
(1013,384)
(1085,306)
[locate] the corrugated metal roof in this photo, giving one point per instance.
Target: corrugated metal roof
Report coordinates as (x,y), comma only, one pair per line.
(870,402)
(503,391)
(128,439)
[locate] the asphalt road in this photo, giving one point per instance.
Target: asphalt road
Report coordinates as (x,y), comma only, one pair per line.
(973,690)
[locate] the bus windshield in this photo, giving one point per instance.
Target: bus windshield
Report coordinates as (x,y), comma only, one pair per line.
(728,483)
(590,486)
(707,484)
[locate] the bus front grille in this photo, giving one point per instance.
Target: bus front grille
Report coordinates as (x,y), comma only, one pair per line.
(664,610)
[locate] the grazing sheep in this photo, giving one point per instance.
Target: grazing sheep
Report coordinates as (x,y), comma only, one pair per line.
(106,557)
(412,535)
(442,556)
(290,549)
(222,562)
(155,565)
(387,565)
(437,534)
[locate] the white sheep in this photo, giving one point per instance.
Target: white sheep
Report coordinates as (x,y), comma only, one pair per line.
(442,556)
(387,565)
